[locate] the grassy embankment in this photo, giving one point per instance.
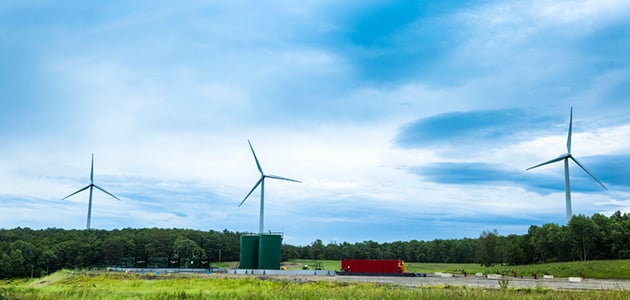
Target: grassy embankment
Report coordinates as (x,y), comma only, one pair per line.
(102,285)
(617,269)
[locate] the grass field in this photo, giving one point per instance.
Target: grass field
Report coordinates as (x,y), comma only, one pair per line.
(108,285)
(103,285)
(616,269)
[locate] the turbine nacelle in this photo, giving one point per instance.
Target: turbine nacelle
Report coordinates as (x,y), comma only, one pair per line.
(559,158)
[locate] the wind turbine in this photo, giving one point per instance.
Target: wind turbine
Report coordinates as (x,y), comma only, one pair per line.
(565,157)
(91,186)
(261,182)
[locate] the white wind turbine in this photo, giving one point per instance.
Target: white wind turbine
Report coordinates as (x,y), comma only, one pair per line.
(91,186)
(565,157)
(261,182)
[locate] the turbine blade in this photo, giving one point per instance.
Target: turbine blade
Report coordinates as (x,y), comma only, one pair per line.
(81,190)
(252,190)
(282,178)
(570,129)
(106,192)
(587,172)
(92,170)
(559,158)
(255,158)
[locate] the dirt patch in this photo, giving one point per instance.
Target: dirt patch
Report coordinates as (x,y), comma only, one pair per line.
(40,283)
(52,278)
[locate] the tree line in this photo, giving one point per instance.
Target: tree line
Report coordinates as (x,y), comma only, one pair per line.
(25,252)
(596,237)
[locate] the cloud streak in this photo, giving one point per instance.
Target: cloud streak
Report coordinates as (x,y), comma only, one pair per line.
(469,127)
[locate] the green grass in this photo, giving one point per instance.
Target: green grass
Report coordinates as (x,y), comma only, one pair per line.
(225,264)
(616,269)
(101,285)
(299,263)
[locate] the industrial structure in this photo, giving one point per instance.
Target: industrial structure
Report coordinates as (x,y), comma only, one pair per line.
(260,251)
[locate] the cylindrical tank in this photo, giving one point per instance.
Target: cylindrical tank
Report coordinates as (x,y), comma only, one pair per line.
(269,251)
(249,252)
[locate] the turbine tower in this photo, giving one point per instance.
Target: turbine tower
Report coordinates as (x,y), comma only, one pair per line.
(261,182)
(91,186)
(565,157)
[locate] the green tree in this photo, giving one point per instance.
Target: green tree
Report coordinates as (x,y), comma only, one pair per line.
(488,248)
(17,266)
(47,261)
(583,233)
(619,234)
(186,248)
(117,247)
(333,251)
(317,250)
(512,250)
(288,252)
(548,243)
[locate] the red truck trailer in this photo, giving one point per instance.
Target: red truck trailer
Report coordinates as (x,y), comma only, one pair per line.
(373,266)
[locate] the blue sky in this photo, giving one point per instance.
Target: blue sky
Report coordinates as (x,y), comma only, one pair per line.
(404,120)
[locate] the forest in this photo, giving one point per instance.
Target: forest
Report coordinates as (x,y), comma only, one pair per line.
(25,252)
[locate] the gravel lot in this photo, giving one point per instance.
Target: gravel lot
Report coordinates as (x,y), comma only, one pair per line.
(482,282)
(456,280)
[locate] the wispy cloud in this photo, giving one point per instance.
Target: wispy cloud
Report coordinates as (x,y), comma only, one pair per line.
(472,127)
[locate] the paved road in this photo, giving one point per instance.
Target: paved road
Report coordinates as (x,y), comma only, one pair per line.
(482,282)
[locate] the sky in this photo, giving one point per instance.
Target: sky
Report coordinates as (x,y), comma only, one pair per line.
(403,119)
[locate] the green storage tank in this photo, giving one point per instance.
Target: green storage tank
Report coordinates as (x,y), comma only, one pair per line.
(249,252)
(269,251)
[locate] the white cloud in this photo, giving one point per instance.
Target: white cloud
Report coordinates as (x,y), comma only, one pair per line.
(167,107)
(585,14)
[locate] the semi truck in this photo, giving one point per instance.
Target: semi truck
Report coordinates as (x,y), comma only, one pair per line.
(373,267)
